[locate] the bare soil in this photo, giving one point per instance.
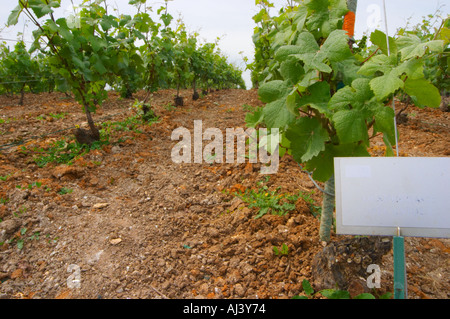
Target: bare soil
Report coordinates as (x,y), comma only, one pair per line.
(136,225)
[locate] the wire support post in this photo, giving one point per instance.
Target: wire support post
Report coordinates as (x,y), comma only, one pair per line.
(393,98)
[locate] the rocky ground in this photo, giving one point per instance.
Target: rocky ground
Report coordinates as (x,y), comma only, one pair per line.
(125,221)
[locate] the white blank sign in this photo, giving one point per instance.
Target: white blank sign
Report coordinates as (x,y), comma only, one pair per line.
(378,195)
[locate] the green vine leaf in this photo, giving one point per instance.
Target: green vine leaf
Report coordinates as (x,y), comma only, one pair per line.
(384,123)
(14,16)
(411,46)
(378,38)
(277,115)
(354,96)
(327,16)
(273,90)
(322,165)
(318,97)
(350,126)
(291,70)
(307,138)
(305,49)
(335,47)
(378,64)
(255,118)
(385,85)
(425,93)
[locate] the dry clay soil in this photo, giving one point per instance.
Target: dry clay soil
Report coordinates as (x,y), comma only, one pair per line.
(136,225)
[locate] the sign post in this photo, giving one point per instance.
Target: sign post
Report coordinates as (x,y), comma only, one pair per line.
(383,196)
(400,286)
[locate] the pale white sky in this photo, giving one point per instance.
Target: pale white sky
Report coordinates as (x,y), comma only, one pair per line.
(231,20)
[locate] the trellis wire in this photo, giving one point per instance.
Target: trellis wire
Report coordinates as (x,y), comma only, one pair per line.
(27,81)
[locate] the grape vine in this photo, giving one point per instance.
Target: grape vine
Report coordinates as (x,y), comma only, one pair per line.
(326,99)
(93,49)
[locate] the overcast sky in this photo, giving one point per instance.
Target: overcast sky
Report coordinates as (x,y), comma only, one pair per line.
(231,20)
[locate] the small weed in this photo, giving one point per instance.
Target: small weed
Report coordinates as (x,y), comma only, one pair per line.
(20,238)
(307,289)
(210,158)
(130,124)
(20,243)
(314,208)
(64,191)
(35,236)
(275,202)
(50,240)
(64,151)
(284,251)
(22,149)
(8,120)
(334,293)
(170,107)
(34,184)
(248,108)
(22,210)
(58,115)
(268,201)
(4,178)
(52,115)
(145,111)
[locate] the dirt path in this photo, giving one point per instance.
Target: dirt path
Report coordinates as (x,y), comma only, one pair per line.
(137,225)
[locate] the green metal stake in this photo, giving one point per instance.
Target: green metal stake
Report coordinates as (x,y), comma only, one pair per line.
(400,287)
